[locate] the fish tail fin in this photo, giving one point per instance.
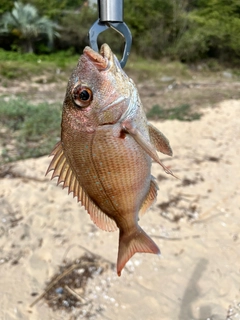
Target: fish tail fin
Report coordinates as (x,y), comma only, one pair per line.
(130,243)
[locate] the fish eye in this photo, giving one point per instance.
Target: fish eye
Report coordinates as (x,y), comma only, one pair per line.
(82,96)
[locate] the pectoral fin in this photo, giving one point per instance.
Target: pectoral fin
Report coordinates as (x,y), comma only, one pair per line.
(159,141)
(146,145)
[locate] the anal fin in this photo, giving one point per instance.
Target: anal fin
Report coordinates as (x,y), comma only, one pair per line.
(150,198)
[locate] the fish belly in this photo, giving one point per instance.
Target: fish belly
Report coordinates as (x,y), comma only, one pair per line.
(114,171)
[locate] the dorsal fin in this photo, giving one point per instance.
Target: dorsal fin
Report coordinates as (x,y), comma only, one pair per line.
(150,198)
(159,141)
(63,171)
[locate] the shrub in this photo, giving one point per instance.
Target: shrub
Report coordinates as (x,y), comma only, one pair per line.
(36,128)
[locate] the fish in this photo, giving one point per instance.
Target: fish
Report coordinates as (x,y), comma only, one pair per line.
(106,150)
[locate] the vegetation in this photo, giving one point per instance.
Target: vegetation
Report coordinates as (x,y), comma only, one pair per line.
(25,23)
(30,130)
(182,113)
(45,37)
(212,30)
(184,29)
(14,65)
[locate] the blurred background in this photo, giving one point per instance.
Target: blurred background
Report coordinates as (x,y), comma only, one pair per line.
(177,29)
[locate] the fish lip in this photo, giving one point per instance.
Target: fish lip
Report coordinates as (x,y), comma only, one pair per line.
(99,60)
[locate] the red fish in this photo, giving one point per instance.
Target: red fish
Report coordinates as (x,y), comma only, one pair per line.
(106,150)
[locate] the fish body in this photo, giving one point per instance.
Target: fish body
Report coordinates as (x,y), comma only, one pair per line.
(106,150)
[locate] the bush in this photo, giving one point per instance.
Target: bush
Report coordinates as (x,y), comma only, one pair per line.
(212,31)
(185,30)
(75,27)
(155,25)
(36,128)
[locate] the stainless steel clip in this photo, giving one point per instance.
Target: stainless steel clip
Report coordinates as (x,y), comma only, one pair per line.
(111,16)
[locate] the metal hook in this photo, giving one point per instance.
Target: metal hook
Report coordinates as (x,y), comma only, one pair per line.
(111,16)
(98,27)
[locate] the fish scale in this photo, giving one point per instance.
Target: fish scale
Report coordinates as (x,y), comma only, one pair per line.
(126,176)
(106,150)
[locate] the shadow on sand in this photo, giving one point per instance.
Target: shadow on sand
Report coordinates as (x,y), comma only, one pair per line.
(192,293)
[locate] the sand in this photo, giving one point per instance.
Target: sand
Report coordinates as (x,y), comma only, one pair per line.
(195,222)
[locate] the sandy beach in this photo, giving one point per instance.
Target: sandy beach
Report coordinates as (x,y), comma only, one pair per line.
(195,222)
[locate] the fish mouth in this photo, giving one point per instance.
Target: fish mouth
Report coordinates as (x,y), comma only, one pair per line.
(101,59)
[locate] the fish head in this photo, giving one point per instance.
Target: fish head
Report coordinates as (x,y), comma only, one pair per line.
(98,91)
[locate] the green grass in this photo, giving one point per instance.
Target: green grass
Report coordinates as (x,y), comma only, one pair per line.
(14,65)
(182,113)
(30,130)
(61,58)
(154,69)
